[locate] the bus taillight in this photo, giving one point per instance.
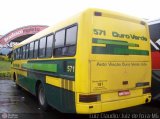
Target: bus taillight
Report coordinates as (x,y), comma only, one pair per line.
(89,98)
(147,90)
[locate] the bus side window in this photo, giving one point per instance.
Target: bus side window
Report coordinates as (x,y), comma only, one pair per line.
(14,55)
(21,53)
(27,49)
(59,42)
(71,39)
(18,53)
(31,50)
(49,46)
(36,49)
(24,49)
(42,47)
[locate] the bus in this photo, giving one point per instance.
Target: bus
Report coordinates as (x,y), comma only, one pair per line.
(154,29)
(93,62)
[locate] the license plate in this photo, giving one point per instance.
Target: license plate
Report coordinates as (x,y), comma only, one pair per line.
(124,93)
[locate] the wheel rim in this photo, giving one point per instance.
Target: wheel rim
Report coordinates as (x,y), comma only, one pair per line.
(41,96)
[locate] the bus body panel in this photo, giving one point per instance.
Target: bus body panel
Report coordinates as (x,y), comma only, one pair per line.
(119,53)
(60,92)
(114,70)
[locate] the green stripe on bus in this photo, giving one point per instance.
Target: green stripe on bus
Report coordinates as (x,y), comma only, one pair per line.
(41,67)
(118,51)
(61,68)
(113,42)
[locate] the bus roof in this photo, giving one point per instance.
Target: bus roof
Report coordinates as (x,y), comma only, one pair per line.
(104,13)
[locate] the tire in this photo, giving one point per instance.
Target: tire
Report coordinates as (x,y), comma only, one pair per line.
(42,98)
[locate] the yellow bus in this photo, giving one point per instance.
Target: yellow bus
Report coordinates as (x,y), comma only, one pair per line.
(96,61)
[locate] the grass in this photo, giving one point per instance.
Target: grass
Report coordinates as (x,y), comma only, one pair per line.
(5,66)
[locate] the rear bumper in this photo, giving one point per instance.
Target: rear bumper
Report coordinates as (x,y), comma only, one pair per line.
(88,108)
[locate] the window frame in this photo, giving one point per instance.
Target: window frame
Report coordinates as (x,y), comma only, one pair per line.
(21,53)
(24,53)
(29,57)
(64,36)
(27,46)
(14,54)
(18,53)
(39,47)
(53,45)
(65,28)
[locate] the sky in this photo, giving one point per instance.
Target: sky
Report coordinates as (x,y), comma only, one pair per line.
(18,13)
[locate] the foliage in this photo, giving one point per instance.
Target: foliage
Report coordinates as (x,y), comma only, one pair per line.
(5,69)
(5,66)
(5,74)
(4,58)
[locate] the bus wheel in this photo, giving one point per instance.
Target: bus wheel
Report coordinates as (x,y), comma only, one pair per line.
(42,98)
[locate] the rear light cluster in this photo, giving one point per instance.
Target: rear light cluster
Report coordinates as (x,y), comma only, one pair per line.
(147,90)
(142,84)
(89,98)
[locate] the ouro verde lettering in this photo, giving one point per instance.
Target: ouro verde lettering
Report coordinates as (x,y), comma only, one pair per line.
(128,36)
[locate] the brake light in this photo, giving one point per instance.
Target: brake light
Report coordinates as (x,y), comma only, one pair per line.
(147,90)
(89,98)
